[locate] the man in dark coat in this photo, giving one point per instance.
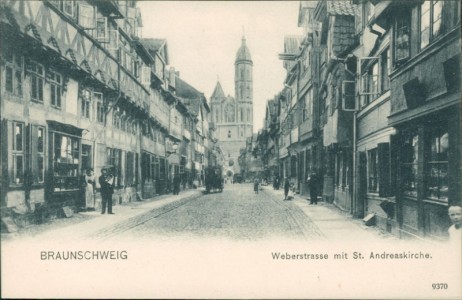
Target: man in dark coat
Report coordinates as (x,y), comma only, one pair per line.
(313,184)
(176,185)
(286,187)
(107,189)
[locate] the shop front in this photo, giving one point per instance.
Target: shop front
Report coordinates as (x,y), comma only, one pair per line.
(64,175)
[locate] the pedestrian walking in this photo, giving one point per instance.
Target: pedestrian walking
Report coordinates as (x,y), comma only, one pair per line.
(106,182)
(90,190)
(255,186)
(286,187)
(313,184)
(176,185)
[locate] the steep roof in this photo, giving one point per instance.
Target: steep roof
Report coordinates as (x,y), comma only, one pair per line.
(155,45)
(218,92)
(340,8)
(185,90)
(243,54)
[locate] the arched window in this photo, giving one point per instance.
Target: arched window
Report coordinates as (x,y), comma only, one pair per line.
(229,113)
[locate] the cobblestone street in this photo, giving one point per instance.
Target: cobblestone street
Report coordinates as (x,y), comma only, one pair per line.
(237,213)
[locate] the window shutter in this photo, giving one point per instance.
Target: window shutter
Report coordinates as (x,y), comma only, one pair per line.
(348,96)
(4,144)
(384,169)
(33,152)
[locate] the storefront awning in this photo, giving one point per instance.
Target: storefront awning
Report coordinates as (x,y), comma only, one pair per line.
(64,128)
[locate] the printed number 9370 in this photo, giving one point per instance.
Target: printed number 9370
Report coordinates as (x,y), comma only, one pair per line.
(440,286)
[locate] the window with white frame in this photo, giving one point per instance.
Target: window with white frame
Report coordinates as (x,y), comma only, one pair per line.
(85,108)
(13,72)
(69,8)
(100,113)
(86,16)
(146,75)
(430,21)
(369,80)
(18,153)
(385,67)
(37,75)
(55,80)
(402,36)
(101,30)
(113,44)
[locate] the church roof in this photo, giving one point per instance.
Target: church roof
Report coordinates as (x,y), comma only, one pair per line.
(218,92)
(243,54)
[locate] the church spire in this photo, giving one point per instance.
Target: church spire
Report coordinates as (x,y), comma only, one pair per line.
(218,92)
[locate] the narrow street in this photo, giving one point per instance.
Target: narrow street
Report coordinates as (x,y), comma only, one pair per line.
(237,213)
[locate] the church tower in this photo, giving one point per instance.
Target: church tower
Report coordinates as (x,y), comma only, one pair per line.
(233,116)
(243,85)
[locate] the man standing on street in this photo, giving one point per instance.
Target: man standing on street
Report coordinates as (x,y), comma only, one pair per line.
(107,189)
(286,187)
(313,185)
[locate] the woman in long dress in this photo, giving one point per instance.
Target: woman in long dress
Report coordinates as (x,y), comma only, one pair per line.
(89,190)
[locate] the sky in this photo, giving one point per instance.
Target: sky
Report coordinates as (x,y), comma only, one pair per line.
(203,38)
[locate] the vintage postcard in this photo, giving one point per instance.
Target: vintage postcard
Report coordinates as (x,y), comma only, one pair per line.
(230,149)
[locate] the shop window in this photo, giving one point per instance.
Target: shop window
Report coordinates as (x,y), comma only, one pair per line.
(437,166)
(410,153)
(65,162)
(37,75)
(372,171)
(18,153)
(85,110)
(402,36)
(55,80)
(13,73)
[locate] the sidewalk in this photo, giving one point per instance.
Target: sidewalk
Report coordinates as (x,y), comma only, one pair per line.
(335,224)
(88,223)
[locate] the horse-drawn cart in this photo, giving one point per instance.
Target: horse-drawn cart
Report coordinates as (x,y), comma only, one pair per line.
(213,179)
